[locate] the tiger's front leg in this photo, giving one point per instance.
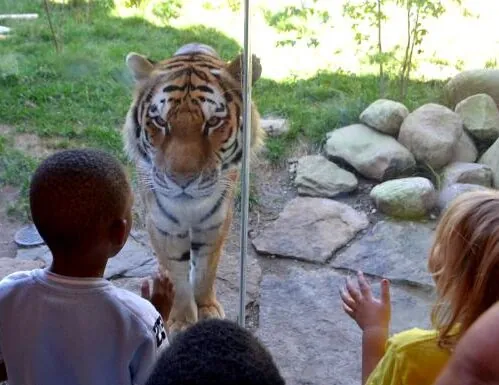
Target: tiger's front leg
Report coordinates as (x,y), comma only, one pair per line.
(173,254)
(206,248)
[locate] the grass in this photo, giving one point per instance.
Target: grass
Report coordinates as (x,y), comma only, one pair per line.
(79,97)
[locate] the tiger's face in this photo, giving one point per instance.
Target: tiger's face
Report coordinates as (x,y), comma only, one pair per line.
(187,120)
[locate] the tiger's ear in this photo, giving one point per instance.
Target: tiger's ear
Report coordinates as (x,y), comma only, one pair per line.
(235,68)
(140,66)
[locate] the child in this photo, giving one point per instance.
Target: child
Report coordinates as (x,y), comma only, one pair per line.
(215,352)
(475,358)
(464,262)
(66,324)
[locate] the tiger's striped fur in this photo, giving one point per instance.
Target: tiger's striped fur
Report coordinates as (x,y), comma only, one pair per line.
(184,133)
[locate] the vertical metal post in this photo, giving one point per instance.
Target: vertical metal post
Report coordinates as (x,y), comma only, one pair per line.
(245,169)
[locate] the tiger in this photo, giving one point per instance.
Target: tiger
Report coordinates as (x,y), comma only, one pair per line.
(184,134)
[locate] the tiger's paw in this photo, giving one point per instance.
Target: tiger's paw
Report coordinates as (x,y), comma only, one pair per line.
(177,326)
(211,310)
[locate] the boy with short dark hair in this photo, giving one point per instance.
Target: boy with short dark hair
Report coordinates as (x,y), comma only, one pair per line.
(216,352)
(66,324)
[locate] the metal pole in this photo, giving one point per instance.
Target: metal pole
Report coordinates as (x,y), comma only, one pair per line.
(245,171)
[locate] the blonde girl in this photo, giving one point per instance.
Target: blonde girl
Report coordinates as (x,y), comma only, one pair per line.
(464,263)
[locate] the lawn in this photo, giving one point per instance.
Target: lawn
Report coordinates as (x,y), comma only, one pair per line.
(79,96)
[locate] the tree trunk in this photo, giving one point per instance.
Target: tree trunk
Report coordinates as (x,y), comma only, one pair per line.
(380,53)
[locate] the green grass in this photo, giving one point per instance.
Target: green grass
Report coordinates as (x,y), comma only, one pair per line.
(80,96)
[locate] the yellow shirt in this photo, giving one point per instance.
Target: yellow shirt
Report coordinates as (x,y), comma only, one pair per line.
(411,358)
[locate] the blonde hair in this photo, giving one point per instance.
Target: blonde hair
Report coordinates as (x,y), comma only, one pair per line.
(464,262)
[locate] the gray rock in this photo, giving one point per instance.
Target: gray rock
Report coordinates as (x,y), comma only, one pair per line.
(472,82)
(491,159)
(12,265)
(465,150)
(274,126)
(318,177)
(130,284)
(4,30)
(385,116)
(451,192)
(310,229)
(469,173)
(373,154)
(133,255)
(391,249)
(431,133)
(308,334)
(228,283)
(145,270)
(39,253)
(407,198)
(480,116)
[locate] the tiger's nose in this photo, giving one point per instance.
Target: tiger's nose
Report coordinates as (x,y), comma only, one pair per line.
(182,180)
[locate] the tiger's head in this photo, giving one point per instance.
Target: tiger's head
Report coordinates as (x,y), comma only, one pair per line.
(184,126)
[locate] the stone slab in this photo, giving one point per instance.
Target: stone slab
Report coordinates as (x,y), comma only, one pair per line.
(312,340)
(391,249)
(12,265)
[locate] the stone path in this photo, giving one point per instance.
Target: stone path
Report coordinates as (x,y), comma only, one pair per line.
(295,297)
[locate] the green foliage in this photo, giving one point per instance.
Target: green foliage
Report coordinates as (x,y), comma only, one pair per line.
(295,22)
(168,9)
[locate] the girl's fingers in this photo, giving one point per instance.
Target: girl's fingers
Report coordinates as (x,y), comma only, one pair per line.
(349,311)
(347,300)
(385,291)
(364,286)
(352,290)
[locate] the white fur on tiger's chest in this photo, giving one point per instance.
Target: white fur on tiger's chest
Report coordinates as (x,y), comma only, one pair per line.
(178,215)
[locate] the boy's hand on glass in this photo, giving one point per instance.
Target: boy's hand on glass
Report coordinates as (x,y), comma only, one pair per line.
(359,303)
(163,294)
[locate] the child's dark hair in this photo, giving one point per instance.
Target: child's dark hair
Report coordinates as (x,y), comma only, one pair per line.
(215,352)
(72,192)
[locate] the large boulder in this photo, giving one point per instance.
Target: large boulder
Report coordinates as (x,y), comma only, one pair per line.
(480,117)
(491,159)
(373,154)
(432,133)
(318,177)
(472,82)
(310,229)
(407,198)
(465,150)
(385,116)
(470,173)
(452,191)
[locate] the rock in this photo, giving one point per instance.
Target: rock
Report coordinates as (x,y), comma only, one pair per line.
(310,229)
(465,150)
(12,265)
(135,254)
(405,198)
(469,173)
(228,283)
(130,284)
(39,253)
(373,154)
(318,177)
(431,133)
(472,82)
(384,115)
(491,159)
(4,30)
(391,249)
(312,340)
(274,126)
(480,117)
(451,192)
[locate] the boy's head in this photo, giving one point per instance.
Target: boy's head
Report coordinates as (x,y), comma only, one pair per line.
(215,352)
(81,202)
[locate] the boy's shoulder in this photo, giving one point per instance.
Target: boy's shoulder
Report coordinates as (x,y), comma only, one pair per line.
(17,278)
(142,310)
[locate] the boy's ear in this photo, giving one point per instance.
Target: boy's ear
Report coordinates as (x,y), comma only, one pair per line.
(235,68)
(119,232)
(140,66)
